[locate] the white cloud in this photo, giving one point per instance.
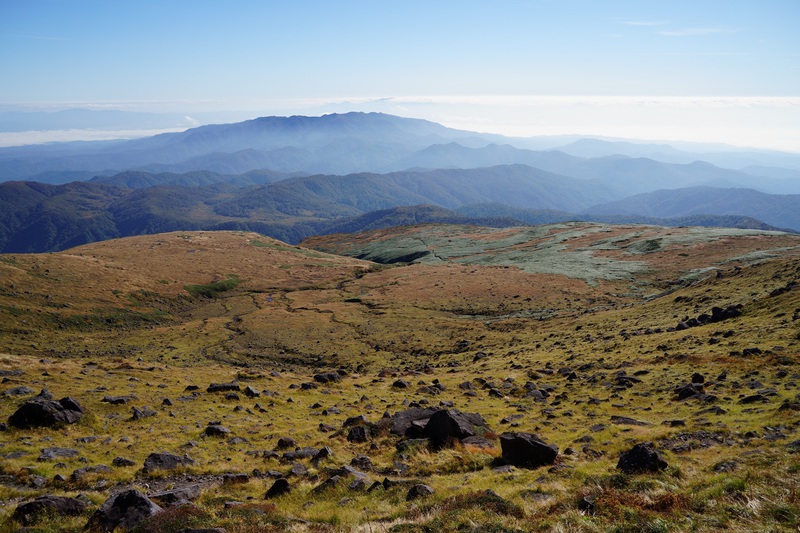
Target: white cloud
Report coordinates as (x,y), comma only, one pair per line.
(690,32)
(644,22)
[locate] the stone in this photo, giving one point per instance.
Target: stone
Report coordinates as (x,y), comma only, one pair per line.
(120,462)
(166,461)
(215,430)
(448,426)
(250,392)
(419,490)
(358,434)
(643,457)
(19,391)
(54,452)
(527,450)
(48,505)
(186,493)
(144,412)
(118,400)
(223,387)
(124,510)
(285,443)
(42,411)
(327,377)
(279,488)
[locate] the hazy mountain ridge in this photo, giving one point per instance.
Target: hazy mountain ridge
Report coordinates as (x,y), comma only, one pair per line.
(313,175)
(40,217)
(777,210)
(375,142)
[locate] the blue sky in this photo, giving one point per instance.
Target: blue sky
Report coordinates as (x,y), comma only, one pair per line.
(699,70)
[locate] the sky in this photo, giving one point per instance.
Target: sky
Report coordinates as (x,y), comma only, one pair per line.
(699,70)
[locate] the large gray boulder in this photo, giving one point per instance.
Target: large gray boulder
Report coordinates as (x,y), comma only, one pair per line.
(643,457)
(43,411)
(527,450)
(450,425)
(123,511)
(30,512)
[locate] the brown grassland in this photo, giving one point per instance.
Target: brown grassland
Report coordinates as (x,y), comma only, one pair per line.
(585,311)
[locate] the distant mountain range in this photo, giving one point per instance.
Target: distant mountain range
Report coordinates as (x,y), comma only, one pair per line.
(293,177)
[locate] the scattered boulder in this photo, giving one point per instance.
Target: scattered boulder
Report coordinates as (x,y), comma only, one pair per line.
(403,422)
(285,443)
(166,461)
(19,391)
(527,450)
(358,434)
(54,452)
(419,490)
(223,387)
(30,512)
(43,411)
(643,457)
(215,430)
(124,510)
(327,377)
(627,421)
(447,426)
(118,400)
(250,392)
(120,462)
(279,488)
(144,412)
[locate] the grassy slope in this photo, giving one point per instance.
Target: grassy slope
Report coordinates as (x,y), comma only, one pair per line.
(116,315)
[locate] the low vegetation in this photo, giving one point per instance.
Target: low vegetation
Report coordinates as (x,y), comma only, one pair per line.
(302,347)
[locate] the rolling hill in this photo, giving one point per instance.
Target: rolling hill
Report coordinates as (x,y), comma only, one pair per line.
(254,361)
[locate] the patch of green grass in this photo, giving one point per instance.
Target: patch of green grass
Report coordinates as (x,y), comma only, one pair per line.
(211,290)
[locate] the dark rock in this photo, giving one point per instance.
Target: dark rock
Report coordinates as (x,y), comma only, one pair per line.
(327,377)
(641,458)
(144,412)
(122,462)
(527,450)
(298,469)
(118,400)
(401,384)
(697,377)
(362,461)
(19,391)
(355,421)
(418,491)
(216,430)
(78,474)
(403,422)
(322,454)
(478,442)
(53,452)
(358,434)
(285,443)
(124,510)
(586,504)
(448,426)
(42,411)
(279,488)
(684,392)
(250,392)
(301,453)
(222,387)
(235,479)
(166,461)
(327,485)
(30,512)
(754,398)
(627,421)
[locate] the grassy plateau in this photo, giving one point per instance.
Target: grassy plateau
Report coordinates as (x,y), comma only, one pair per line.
(602,318)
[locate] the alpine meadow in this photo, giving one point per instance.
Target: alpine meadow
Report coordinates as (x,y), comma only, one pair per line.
(399,266)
